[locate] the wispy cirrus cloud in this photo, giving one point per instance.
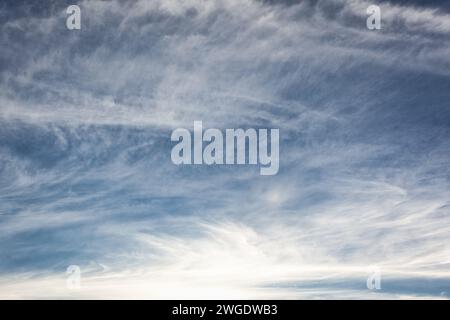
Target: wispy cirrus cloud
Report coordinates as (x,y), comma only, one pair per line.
(85,150)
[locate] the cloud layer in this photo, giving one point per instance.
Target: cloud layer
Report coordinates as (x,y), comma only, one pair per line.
(86,176)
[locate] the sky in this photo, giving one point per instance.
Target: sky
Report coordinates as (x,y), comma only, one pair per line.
(86,177)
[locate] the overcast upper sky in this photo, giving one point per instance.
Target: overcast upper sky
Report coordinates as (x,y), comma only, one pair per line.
(86,176)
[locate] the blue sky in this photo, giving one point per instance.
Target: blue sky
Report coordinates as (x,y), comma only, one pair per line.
(85,171)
